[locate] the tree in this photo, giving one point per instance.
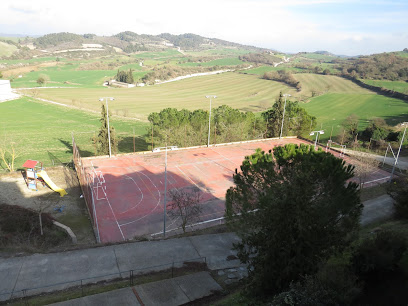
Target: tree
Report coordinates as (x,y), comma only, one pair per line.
(102,139)
(43,79)
(398,190)
(350,129)
(185,205)
(365,165)
(125,77)
(293,209)
(297,121)
(40,81)
(376,130)
(8,154)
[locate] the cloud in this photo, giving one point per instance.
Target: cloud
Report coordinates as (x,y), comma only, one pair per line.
(291,25)
(23,9)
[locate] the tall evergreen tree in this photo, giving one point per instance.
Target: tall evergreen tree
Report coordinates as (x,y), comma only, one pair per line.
(102,139)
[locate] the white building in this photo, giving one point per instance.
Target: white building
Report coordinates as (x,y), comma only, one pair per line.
(5,91)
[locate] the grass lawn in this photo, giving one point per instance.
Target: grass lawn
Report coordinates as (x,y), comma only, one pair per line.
(399,86)
(41,130)
(332,108)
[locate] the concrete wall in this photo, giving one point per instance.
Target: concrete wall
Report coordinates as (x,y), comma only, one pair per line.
(5,88)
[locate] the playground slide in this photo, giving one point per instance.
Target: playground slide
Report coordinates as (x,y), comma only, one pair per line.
(50,183)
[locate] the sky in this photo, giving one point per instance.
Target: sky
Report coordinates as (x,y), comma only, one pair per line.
(344,27)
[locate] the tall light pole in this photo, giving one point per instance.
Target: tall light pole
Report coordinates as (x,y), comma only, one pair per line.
(283,117)
(317,135)
(209,119)
(107,117)
(399,149)
(165,183)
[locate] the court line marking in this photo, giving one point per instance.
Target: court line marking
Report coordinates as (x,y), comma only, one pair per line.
(110,206)
(188,177)
(226,158)
(141,192)
(158,202)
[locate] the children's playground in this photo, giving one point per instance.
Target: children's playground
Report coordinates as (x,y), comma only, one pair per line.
(126,194)
(35,175)
(42,190)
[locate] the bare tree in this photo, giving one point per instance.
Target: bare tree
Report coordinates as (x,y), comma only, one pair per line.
(364,165)
(8,154)
(185,205)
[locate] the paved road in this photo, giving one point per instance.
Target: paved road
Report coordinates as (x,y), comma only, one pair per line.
(168,292)
(109,262)
(402,161)
(377,209)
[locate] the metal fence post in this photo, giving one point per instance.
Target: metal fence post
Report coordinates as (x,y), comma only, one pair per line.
(82,289)
(172,270)
(131,277)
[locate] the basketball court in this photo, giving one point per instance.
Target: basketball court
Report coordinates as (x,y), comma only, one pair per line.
(125,194)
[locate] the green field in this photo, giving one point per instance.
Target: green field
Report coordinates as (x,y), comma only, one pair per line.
(327,83)
(392,85)
(401,53)
(231,61)
(41,130)
(6,49)
(331,109)
(262,69)
(218,52)
(316,56)
(246,92)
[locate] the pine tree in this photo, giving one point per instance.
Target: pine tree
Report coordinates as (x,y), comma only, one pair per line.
(293,209)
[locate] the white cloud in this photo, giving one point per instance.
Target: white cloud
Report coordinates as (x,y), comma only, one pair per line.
(273,24)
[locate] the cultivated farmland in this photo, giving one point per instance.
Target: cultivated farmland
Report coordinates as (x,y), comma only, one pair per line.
(246,92)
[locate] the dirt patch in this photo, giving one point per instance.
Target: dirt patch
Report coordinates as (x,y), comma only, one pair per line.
(69,210)
(25,69)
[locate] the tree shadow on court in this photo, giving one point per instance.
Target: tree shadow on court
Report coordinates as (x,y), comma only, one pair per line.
(137,201)
(131,145)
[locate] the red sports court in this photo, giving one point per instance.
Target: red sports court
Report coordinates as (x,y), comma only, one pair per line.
(125,193)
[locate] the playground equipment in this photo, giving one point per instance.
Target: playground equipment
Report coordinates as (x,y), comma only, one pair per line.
(35,174)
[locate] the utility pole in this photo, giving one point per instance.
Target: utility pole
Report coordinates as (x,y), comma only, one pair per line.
(317,136)
(165,184)
(283,117)
(399,149)
(209,118)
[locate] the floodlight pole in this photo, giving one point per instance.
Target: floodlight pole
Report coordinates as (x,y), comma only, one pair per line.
(107,117)
(317,135)
(399,150)
(209,118)
(283,117)
(165,187)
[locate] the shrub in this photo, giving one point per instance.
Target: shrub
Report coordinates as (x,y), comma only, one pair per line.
(398,190)
(378,255)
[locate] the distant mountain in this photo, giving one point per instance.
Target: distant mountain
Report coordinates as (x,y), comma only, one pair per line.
(131,42)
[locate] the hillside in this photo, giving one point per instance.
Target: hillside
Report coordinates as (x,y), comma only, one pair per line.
(75,45)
